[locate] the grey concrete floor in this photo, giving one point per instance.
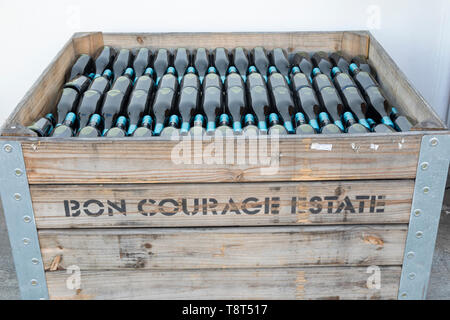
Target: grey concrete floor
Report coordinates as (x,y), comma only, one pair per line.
(439,287)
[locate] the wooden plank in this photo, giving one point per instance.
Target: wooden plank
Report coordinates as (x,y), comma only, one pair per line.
(42,97)
(154,160)
(87,43)
(243,247)
(355,43)
(229,284)
(222,204)
(400,91)
(292,41)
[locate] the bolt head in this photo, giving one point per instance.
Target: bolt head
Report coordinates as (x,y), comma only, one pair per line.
(417,212)
(35,261)
(412,276)
(419,234)
(17,196)
(404,295)
(26,241)
(8,148)
(34,282)
(434,142)
(426,190)
(27,219)
(18,172)
(410,255)
(424,165)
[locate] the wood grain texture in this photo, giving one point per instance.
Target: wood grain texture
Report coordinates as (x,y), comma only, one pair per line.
(292,41)
(226,204)
(229,284)
(81,161)
(400,91)
(203,248)
(355,43)
(87,43)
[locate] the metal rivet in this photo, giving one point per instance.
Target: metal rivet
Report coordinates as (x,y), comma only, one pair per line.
(410,255)
(424,165)
(34,282)
(412,276)
(35,261)
(18,172)
(417,212)
(27,219)
(434,142)
(426,190)
(17,196)
(419,234)
(404,295)
(8,148)
(26,241)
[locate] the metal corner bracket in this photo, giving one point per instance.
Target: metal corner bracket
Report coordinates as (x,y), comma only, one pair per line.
(431,178)
(19,216)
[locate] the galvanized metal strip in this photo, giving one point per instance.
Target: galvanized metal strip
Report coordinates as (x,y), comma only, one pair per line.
(19,216)
(426,209)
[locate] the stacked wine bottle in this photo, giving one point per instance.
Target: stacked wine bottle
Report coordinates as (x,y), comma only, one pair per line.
(141,93)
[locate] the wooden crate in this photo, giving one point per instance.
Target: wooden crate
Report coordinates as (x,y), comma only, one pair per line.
(138,225)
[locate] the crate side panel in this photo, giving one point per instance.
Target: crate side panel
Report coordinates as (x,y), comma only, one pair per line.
(222,204)
(243,247)
(159,161)
(259,284)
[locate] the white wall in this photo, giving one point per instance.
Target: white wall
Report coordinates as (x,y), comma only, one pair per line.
(416,33)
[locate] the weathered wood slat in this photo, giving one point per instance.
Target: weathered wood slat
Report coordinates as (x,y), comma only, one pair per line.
(222,204)
(230,284)
(187,248)
(293,41)
(158,161)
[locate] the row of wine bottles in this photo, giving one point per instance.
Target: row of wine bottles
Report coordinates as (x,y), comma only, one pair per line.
(143,93)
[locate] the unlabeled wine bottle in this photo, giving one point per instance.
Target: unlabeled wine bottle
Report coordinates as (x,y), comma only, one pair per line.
(224,128)
(258,97)
(364,65)
(301,126)
(140,99)
(181,61)
(240,61)
(68,102)
(165,98)
(250,128)
(221,62)
(115,99)
(201,62)
(189,99)
(142,61)
(320,60)
(280,60)
(275,128)
(172,128)
(282,98)
(44,126)
(303,62)
(401,122)
(198,129)
(93,128)
(83,66)
(339,60)
(68,127)
(104,60)
(212,99)
(161,63)
(260,61)
(145,130)
(92,99)
(121,63)
(235,98)
(120,129)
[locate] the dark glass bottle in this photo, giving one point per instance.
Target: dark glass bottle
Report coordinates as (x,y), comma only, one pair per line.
(401,122)
(224,128)
(306,97)
(364,65)
(93,128)
(201,62)
(189,99)
(303,62)
(250,128)
(161,63)
(181,61)
(235,98)
(212,99)
(121,63)
(275,126)
(84,65)
(145,130)
(92,99)
(165,98)
(67,128)
(301,126)
(120,129)
(282,98)
(279,59)
(260,61)
(198,129)
(240,61)
(116,98)
(142,61)
(172,128)
(221,62)
(140,98)
(329,99)
(104,60)
(44,126)
(258,97)
(353,100)
(68,102)
(320,60)
(339,60)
